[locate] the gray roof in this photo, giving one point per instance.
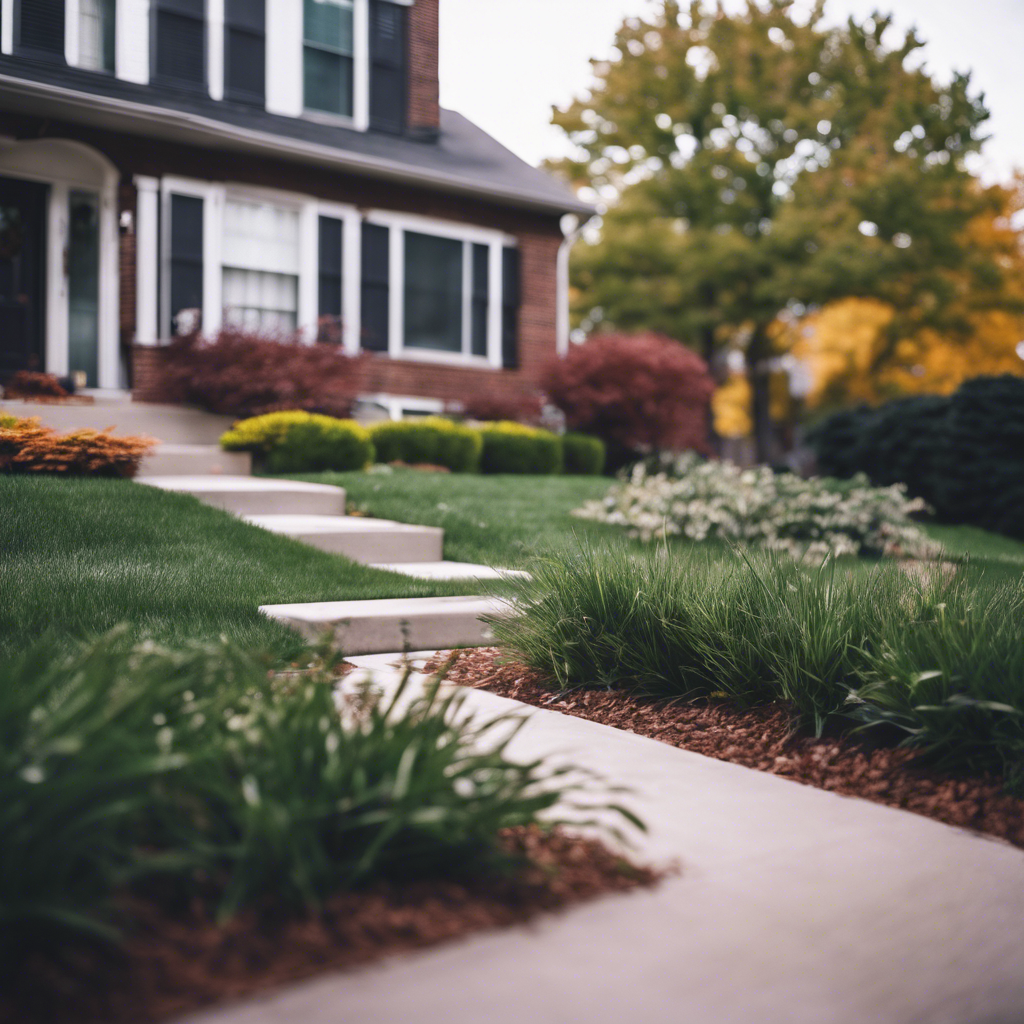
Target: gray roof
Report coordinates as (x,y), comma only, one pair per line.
(461,158)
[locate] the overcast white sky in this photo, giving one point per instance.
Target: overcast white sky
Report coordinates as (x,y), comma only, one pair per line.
(505,62)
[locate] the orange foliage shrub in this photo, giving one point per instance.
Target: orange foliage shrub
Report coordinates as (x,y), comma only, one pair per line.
(28,447)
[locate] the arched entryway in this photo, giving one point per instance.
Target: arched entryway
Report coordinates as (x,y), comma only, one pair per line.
(58,261)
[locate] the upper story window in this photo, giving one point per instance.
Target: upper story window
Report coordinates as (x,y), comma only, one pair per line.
(96,20)
(178,45)
(328,56)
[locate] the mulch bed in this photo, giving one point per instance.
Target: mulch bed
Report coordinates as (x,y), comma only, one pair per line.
(762,738)
(175,963)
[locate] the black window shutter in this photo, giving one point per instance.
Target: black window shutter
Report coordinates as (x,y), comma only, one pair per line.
(330,279)
(245,51)
(481,296)
(186,255)
(376,252)
(39,29)
(510,275)
(179,43)
(388,59)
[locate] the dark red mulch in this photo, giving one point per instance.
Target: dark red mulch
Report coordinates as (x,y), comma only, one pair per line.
(762,738)
(172,964)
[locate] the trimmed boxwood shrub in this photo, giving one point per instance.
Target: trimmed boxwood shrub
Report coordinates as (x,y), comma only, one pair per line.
(583,455)
(431,440)
(964,454)
(301,442)
(514,448)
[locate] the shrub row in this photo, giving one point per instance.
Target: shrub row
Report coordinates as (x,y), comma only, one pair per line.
(28,447)
(937,658)
(963,454)
(296,442)
(123,767)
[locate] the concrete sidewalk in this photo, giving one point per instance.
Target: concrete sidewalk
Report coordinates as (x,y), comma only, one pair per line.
(793,906)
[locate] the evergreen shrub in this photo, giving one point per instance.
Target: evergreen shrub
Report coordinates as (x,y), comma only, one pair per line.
(583,455)
(302,442)
(429,441)
(515,448)
(964,454)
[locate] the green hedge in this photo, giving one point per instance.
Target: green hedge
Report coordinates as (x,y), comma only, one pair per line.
(583,455)
(964,454)
(302,442)
(513,448)
(432,440)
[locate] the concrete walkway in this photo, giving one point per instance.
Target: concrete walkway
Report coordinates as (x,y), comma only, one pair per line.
(793,906)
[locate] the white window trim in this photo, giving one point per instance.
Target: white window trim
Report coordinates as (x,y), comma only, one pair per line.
(6,26)
(468,234)
(215,48)
(360,118)
(351,269)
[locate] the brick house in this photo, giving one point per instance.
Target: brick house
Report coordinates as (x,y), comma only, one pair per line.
(276,164)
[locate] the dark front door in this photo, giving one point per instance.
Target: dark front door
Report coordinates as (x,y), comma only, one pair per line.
(22,277)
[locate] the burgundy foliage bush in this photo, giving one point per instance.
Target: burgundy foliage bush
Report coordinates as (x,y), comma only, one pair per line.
(238,373)
(639,393)
(28,384)
(495,408)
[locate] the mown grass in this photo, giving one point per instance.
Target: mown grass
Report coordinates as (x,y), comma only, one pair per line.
(80,556)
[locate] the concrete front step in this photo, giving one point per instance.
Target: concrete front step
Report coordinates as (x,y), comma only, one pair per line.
(359,538)
(450,570)
(377,627)
(246,495)
(195,460)
(175,424)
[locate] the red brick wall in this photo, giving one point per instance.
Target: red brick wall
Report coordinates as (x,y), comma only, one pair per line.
(145,363)
(424,111)
(126,204)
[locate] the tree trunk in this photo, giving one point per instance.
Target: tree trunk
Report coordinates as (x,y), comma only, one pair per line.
(766,444)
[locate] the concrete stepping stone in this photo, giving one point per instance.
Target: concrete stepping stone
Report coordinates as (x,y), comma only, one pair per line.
(245,495)
(450,570)
(375,627)
(360,538)
(195,460)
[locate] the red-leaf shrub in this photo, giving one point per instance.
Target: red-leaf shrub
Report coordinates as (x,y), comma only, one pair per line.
(241,374)
(495,408)
(28,384)
(639,393)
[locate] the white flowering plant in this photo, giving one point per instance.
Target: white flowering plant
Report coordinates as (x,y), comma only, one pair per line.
(690,497)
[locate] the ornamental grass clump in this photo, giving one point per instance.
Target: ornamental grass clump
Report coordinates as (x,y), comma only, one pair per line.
(934,657)
(808,519)
(191,775)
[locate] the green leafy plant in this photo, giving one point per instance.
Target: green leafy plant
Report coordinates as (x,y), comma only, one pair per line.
(515,448)
(432,440)
(584,455)
(302,442)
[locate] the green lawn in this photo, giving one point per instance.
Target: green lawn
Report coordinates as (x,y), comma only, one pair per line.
(78,557)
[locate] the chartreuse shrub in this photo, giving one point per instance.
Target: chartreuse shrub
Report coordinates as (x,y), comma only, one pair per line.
(302,442)
(583,455)
(431,440)
(963,454)
(120,765)
(515,448)
(937,656)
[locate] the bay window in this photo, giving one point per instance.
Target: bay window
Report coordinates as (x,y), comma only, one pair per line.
(260,266)
(329,56)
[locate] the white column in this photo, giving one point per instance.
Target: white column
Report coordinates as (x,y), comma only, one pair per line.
(352,282)
(309,271)
(6,26)
(57,282)
(131,34)
(72,28)
(571,229)
(494,301)
(284,57)
(396,290)
(108,372)
(213,233)
(215,47)
(147,260)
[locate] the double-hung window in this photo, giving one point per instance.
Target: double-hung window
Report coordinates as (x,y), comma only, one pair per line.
(96,20)
(329,56)
(179,43)
(260,266)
